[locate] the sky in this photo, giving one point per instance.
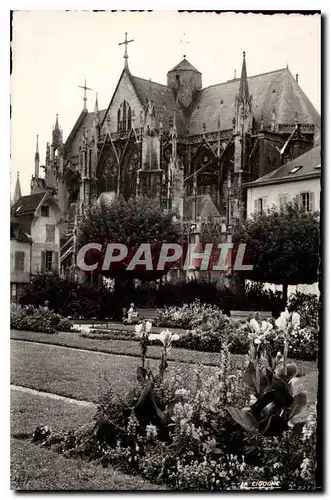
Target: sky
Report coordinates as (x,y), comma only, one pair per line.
(54,51)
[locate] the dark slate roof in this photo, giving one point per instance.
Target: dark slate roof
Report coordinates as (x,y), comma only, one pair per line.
(275,90)
(27,205)
(309,163)
(184,65)
(164,102)
(85,119)
(20,229)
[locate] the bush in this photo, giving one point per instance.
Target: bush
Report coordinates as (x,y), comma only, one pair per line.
(39,319)
(191,316)
(68,297)
(308,306)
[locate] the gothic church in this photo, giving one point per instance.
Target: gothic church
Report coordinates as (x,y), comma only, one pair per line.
(192,148)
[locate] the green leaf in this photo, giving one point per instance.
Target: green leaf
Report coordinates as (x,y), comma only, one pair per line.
(243,418)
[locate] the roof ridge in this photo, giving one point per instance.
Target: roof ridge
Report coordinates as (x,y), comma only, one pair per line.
(145,80)
(248,78)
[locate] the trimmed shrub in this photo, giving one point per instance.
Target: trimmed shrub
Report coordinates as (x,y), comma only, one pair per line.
(68,297)
(39,319)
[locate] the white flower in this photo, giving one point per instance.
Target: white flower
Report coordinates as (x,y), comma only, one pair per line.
(283,320)
(166,337)
(254,325)
(138,328)
(148,326)
(288,321)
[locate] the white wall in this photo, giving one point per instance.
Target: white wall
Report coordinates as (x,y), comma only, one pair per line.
(38,233)
(273,191)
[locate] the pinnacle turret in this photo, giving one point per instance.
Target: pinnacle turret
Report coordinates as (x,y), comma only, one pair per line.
(17,191)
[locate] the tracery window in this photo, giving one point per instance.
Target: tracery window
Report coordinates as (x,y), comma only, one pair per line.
(124,117)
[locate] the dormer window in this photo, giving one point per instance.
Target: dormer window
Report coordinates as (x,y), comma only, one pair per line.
(45,211)
(124,117)
(295,169)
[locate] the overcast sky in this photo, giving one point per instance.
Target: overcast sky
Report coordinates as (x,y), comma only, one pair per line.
(54,51)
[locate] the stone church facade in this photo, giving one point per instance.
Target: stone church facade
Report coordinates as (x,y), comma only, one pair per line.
(192,148)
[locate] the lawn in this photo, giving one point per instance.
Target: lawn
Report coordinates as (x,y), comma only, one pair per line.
(85,375)
(36,468)
(73,373)
(131,348)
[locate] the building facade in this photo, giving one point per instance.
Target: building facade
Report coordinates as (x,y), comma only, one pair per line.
(298,180)
(34,239)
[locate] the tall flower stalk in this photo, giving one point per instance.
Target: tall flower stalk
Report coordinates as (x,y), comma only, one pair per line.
(166,337)
(142,331)
(287,323)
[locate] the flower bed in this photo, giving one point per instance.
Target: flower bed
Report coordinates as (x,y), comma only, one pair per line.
(303,342)
(232,430)
(39,319)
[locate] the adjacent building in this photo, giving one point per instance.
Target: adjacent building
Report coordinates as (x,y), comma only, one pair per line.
(34,239)
(298,180)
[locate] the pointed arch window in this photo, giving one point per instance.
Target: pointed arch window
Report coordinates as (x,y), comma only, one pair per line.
(124,117)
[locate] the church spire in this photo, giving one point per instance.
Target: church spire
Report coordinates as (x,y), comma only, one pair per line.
(36,160)
(150,123)
(96,110)
(243,87)
(17,191)
(57,134)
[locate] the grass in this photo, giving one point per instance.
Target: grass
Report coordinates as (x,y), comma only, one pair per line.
(36,468)
(131,348)
(77,374)
(27,411)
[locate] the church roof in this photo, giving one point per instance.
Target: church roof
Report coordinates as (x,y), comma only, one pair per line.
(185,66)
(164,102)
(275,90)
(85,119)
(306,165)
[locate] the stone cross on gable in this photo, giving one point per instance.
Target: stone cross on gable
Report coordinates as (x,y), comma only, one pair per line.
(85,89)
(126,57)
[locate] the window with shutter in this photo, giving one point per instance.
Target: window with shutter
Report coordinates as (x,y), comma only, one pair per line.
(260,205)
(48,261)
(282,201)
(56,261)
(43,262)
(50,233)
(306,201)
(19,261)
(256,205)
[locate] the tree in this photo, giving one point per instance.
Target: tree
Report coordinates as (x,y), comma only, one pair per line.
(131,222)
(282,246)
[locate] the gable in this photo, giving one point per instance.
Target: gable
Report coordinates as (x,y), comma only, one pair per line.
(124,91)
